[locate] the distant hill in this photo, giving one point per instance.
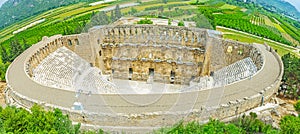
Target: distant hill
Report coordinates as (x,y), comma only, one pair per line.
(279,6)
(17,10)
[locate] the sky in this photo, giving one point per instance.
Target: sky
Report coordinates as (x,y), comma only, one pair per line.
(1,2)
(296,3)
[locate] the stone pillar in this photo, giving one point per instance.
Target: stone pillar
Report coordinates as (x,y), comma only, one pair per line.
(182,35)
(206,63)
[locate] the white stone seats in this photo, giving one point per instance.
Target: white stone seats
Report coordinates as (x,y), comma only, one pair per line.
(237,71)
(66,70)
(94,82)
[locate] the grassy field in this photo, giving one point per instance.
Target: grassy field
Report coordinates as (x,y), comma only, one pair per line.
(233,35)
(79,11)
(268,21)
(279,28)
(227,6)
(73,11)
(143,7)
(49,15)
(277,25)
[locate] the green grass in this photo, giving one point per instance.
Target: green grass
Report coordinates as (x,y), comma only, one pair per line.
(227,6)
(79,11)
(279,28)
(6,33)
(268,21)
(229,34)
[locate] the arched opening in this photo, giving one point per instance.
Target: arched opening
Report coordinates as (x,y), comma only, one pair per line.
(69,42)
(76,41)
(130,73)
(172,77)
(151,72)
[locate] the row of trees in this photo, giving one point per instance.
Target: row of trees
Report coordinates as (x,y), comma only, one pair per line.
(101,18)
(8,55)
(285,22)
(19,120)
(241,21)
(242,125)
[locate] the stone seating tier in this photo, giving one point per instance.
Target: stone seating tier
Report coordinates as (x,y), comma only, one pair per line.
(65,70)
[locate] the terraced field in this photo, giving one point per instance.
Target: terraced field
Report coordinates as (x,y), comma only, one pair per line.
(245,37)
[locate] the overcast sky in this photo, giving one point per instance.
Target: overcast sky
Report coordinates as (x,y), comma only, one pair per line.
(296,3)
(1,2)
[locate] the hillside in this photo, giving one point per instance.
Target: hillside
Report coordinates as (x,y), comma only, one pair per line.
(280,6)
(16,10)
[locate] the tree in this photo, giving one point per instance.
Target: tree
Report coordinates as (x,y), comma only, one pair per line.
(180,23)
(25,44)
(118,13)
(139,1)
(165,1)
(202,21)
(290,124)
(145,21)
(292,74)
(133,10)
(18,120)
(3,68)
(161,9)
(98,19)
(112,16)
(169,21)
(4,55)
(15,49)
(170,8)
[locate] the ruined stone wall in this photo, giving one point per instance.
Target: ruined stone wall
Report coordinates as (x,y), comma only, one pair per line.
(163,59)
(166,46)
(226,52)
(148,33)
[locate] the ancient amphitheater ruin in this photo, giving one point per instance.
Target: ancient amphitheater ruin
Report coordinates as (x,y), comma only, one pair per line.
(142,77)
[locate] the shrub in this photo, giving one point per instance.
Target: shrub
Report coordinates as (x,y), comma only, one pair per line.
(145,21)
(180,23)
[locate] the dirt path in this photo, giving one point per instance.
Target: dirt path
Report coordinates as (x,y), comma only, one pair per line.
(2,87)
